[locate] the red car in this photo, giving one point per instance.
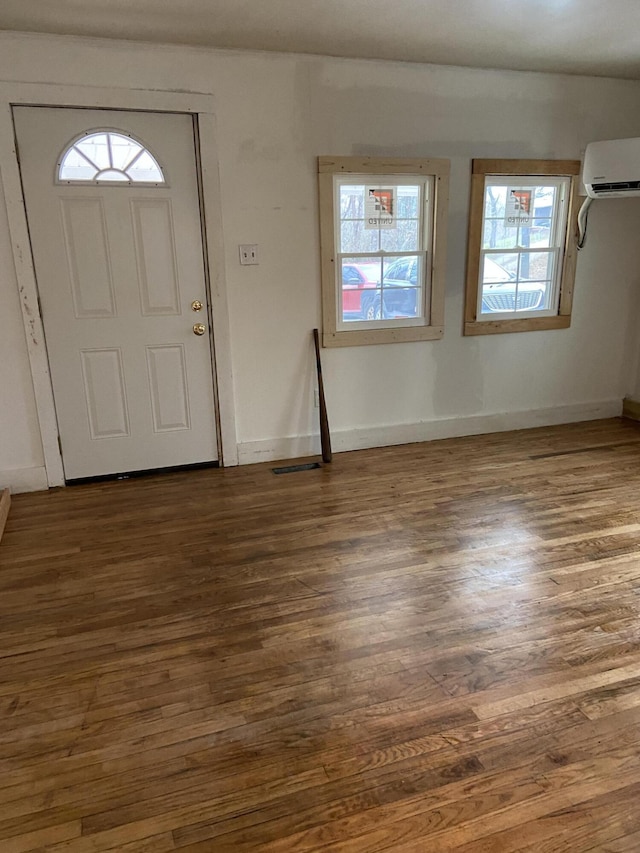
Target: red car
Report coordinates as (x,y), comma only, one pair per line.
(355,279)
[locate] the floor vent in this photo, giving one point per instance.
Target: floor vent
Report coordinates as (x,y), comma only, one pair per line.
(292,469)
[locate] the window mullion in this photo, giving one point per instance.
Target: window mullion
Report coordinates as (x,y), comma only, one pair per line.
(557,274)
(383,254)
(521,250)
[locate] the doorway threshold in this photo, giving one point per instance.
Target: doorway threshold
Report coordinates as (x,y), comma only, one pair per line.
(151,472)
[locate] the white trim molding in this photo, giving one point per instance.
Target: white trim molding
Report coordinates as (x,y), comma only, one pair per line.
(53,95)
(295,447)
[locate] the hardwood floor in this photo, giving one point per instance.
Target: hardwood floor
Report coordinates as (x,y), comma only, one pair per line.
(416,649)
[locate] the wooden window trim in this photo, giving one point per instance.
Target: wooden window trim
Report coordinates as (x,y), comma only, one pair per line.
(551,168)
(438,169)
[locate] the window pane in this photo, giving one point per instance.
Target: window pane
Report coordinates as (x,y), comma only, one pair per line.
(380,216)
(403,238)
(500,267)
(536,266)
(112,175)
(497,236)
(544,199)
(398,296)
(495,201)
(109,156)
(352,202)
(505,289)
(95,147)
(517,281)
(498,297)
(540,233)
(145,168)
(399,302)
(512,296)
(533,296)
(402,287)
(499,283)
(354,237)
(360,288)
(123,150)
(74,167)
(408,202)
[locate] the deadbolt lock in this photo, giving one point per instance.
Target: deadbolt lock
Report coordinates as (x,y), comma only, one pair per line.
(196,305)
(199,328)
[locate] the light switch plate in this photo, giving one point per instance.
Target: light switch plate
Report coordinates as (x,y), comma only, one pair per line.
(248,253)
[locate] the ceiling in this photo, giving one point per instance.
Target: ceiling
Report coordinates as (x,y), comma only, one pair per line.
(572,36)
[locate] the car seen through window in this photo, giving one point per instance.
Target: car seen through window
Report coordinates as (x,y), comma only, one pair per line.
(366,297)
(501,291)
(356,278)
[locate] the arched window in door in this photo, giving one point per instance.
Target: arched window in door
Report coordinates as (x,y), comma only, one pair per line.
(108,156)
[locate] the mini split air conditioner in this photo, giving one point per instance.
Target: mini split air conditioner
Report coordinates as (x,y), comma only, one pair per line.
(612,168)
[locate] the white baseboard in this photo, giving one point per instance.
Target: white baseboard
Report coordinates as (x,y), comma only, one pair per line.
(24,480)
(270,449)
(294,447)
(297,446)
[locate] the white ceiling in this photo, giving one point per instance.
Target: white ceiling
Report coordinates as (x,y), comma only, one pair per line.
(600,37)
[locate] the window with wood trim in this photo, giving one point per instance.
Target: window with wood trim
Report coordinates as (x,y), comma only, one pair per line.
(383,224)
(521,254)
(108,157)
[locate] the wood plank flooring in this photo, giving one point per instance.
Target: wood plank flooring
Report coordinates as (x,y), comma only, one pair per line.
(416,649)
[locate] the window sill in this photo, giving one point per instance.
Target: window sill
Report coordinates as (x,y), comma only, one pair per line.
(363,337)
(527,324)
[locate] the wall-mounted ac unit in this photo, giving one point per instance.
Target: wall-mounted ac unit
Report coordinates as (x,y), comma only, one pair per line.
(612,168)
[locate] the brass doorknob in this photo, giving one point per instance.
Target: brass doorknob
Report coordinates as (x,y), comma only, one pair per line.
(199,328)
(196,305)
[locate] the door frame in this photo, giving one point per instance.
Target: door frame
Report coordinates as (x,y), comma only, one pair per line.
(196,104)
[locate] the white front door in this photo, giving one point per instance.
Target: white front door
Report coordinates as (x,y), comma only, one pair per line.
(114,217)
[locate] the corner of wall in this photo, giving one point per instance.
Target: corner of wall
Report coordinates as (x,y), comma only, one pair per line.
(24,480)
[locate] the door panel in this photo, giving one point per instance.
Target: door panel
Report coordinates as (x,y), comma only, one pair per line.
(169,387)
(155,254)
(88,257)
(104,393)
(118,267)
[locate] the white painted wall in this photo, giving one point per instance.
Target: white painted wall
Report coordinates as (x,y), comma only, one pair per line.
(275,114)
